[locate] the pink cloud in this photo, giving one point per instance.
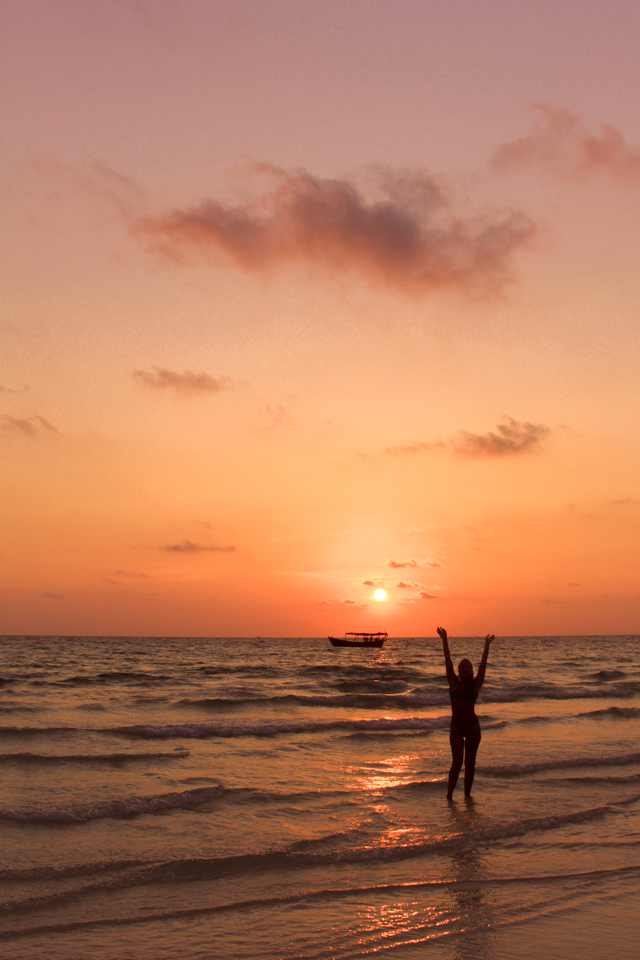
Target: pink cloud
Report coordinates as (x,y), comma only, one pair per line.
(29,426)
(418,447)
(110,190)
(426,562)
(510,437)
(186,546)
(562,145)
(407,238)
(4,389)
(341,603)
(185,383)
(137,575)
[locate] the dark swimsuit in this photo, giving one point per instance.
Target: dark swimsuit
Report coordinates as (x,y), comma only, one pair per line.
(466,696)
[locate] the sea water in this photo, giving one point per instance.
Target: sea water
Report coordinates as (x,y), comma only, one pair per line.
(192,798)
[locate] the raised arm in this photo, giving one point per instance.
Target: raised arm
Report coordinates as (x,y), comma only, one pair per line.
(479,679)
(451,674)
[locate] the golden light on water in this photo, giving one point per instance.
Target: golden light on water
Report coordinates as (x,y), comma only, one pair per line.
(380,594)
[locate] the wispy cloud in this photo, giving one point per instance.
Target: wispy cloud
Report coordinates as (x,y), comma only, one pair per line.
(424,563)
(410,585)
(562,145)
(124,575)
(418,447)
(109,189)
(341,603)
(510,437)
(626,502)
(186,546)
(18,426)
(187,382)
(407,237)
(54,596)
(4,389)
(137,575)
(419,597)
(29,426)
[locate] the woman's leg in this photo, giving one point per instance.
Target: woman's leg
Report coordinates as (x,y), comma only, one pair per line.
(471,748)
(457,753)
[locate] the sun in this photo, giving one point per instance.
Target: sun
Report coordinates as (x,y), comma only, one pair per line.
(380,594)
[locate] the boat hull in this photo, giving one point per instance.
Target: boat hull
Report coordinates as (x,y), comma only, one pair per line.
(338,642)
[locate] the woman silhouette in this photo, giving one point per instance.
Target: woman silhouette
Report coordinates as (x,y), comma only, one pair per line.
(464,735)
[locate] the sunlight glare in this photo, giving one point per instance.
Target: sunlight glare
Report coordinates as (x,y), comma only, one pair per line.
(380,594)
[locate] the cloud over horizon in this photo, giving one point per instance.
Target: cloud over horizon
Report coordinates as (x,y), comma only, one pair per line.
(512,437)
(30,426)
(188,382)
(422,595)
(341,603)
(111,190)
(137,575)
(412,585)
(408,238)
(425,563)
(187,546)
(562,145)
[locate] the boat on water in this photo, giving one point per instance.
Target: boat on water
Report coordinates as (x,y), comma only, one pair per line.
(360,639)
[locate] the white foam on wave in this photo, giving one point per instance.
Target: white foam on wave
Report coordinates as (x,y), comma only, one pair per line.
(548,692)
(522,769)
(129,807)
(273,728)
(90,759)
(292,856)
(614,713)
(331,893)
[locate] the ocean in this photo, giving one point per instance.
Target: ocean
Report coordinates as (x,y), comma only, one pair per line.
(279,798)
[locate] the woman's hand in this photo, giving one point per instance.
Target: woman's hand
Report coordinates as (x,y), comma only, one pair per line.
(488,639)
(442,633)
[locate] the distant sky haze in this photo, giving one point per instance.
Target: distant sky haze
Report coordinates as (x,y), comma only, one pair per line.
(302,300)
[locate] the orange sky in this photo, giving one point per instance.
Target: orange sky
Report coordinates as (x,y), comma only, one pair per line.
(305,299)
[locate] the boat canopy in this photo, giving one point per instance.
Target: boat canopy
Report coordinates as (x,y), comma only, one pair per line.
(380,633)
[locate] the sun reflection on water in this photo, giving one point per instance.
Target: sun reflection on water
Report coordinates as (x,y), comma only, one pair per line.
(396,771)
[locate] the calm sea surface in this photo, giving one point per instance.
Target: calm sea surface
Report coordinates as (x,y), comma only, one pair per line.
(197,798)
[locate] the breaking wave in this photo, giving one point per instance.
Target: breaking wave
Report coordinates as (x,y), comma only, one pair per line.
(118,809)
